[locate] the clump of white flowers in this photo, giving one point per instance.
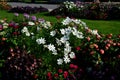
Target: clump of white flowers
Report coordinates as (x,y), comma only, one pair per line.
(41,40)
(58,41)
(26,31)
(69,5)
(62,45)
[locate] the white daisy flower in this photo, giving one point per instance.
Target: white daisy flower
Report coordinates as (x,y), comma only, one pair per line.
(58,42)
(52,33)
(67,50)
(27,34)
(63,39)
(95,32)
(31,23)
(62,31)
(66,21)
(51,47)
(54,52)
(24,30)
(41,40)
(72,55)
(59,61)
(66,59)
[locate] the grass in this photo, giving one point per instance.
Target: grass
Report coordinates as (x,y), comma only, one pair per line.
(106,27)
(103,26)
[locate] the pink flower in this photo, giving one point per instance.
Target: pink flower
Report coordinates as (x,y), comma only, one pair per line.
(92,52)
(108,45)
(102,51)
(60,70)
(114,44)
(11,50)
(3,39)
(98,37)
(88,38)
(96,46)
(118,44)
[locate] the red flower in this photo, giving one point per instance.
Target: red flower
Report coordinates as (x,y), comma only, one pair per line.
(11,25)
(56,75)
(65,74)
(118,56)
(71,65)
(75,66)
(109,36)
(58,17)
(35,76)
(1,27)
(60,70)
(15,33)
(24,24)
(78,48)
(49,74)
(16,26)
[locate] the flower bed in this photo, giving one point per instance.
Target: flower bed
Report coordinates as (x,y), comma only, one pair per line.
(4,5)
(32,48)
(88,10)
(28,9)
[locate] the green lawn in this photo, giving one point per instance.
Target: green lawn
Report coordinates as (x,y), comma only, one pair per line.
(102,26)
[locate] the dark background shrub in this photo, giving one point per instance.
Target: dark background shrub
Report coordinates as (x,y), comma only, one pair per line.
(28,9)
(114,13)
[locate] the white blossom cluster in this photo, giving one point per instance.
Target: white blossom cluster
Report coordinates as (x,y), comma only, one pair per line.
(26,31)
(45,24)
(69,5)
(41,24)
(68,20)
(62,44)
